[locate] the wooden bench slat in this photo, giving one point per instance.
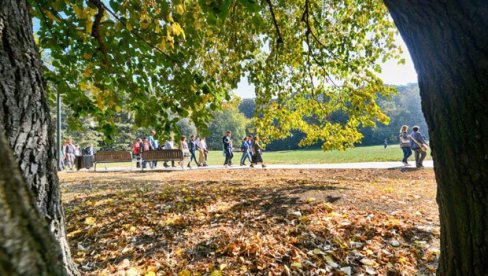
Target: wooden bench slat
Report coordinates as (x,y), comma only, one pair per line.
(113,156)
(162,155)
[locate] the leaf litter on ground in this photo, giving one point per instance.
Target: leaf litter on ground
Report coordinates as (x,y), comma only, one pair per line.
(253,222)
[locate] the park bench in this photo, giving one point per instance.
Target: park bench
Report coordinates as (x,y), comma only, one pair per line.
(162,155)
(112,157)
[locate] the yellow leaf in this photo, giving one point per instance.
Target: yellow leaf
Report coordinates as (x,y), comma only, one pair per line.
(79,12)
(89,26)
(88,71)
(74,233)
(222,266)
(216,273)
(50,15)
(157,29)
(118,108)
(90,220)
(296,265)
(128,26)
(177,30)
(180,9)
(169,18)
(185,272)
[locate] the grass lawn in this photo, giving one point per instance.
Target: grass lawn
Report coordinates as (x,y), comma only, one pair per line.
(358,154)
(270,222)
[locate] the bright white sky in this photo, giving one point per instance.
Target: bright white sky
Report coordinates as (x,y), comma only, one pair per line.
(393,73)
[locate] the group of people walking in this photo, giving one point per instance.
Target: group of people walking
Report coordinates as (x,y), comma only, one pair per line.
(415,142)
(189,150)
(251,149)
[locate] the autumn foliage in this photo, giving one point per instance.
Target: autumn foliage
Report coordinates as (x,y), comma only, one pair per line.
(271,221)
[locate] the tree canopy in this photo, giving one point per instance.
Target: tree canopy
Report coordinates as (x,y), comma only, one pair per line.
(167,60)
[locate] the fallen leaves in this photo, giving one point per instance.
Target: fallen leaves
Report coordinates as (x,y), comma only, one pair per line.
(278,223)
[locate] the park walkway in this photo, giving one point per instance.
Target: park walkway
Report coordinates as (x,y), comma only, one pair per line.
(359,165)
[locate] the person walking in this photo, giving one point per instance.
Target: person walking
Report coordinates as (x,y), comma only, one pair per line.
(245,151)
(69,154)
(419,146)
(257,149)
(385,144)
(249,142)
(192,146)
(227,141)
(170,144)
(405,144)
(146,146)
(202,151)
(184,148)
(136,151)
(154,146)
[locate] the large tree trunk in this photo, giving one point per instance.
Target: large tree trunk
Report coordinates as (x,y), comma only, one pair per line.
(448,41)
(26,245)
(24,117)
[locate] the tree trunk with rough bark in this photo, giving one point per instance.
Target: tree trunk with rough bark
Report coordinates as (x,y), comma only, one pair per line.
(25,120)
(26,245)
(448,41)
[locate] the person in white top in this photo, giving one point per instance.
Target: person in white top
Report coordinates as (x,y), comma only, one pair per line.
(202,151)
(186,152)
(170,144)
(405,144)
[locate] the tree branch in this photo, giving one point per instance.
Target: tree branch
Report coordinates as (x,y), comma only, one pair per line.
(278,33)
(96,29)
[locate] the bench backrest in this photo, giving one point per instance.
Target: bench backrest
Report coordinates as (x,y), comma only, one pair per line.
(169,154)
(113,156)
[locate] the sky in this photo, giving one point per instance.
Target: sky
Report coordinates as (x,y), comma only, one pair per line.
(392,73)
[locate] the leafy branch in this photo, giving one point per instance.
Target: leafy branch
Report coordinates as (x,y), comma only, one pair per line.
(275,22)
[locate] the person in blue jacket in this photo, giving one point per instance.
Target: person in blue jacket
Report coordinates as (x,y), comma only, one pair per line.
(245,149)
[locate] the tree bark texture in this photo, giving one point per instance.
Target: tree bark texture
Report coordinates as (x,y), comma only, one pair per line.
(24,117)
(26,245)
(448,41)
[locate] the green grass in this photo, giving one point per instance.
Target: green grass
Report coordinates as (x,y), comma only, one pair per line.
(358,154)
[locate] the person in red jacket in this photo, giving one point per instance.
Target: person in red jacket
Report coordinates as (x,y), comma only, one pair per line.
(136,151)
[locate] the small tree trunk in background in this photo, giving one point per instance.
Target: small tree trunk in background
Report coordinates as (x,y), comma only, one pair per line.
(448,41)
(27,246)
(25,120)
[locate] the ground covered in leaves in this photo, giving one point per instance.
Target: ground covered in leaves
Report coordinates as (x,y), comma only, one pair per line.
(253,222)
